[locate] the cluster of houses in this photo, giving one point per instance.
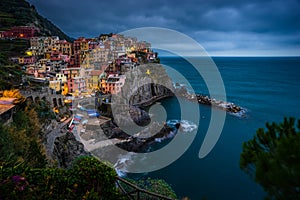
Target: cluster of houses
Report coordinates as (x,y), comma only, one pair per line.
(19,32)
(86,64)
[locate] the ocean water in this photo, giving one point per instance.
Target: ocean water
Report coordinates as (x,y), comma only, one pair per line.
(268,87)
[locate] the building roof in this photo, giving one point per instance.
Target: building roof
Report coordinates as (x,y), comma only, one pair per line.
(6,100)
(6,104)
(4,108)
(96,72)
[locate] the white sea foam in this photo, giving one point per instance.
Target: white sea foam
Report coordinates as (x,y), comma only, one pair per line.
(122,163)
(241,114)
(170,135)
(127,161)
(185,125)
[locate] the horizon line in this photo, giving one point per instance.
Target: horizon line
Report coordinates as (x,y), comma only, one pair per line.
(233,56)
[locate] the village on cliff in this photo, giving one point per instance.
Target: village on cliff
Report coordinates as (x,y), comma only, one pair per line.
(83,66)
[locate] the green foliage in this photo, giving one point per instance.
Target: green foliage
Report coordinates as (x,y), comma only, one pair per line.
(13,48)
(20,140)
(272,158)
(88,178)
(44,111)
(6,145)
(24,173)
(20,13)
(91,174)
(158,186)
(11,73)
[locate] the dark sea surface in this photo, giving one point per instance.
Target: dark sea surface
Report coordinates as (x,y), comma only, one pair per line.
(268,87)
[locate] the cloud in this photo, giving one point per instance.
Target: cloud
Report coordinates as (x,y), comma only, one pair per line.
(229,24)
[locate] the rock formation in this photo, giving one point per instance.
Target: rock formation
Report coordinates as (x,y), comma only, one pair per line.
(66,149)
(143,86)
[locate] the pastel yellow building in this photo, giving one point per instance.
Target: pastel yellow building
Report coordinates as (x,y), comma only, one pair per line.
(94,80)
(55,85)
(65,47)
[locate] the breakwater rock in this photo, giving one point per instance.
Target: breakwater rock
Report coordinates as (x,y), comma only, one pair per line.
(139,142)
(227,106)
(206,100)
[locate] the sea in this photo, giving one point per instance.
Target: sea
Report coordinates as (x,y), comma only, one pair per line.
(268,88)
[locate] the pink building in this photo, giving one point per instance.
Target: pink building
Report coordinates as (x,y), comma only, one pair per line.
(55,56)
(20,32)
(78,85)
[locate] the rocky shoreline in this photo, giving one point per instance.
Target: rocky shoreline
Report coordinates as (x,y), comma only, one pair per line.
(99,138)
(229,107)
(140,91)
(137,143)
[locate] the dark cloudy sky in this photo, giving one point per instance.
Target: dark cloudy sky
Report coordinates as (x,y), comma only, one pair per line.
(222,27)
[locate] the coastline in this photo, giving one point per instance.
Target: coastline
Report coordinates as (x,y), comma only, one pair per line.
(101,135)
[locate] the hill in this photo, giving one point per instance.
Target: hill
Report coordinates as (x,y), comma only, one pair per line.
(21,13)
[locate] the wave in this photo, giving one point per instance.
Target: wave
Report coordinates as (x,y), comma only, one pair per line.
(243,113)
(170,135)
(127,161)
(185,125)
(122,163)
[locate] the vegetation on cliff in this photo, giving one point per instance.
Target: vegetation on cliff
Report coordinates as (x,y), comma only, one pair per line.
(21,13)
(21,140)
(272,159)
(88,178)
(27,173)
(158,186)
(14,93)
(11,73)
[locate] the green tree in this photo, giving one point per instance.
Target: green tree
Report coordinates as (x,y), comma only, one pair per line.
(87,179)
(272,159)
(158,186)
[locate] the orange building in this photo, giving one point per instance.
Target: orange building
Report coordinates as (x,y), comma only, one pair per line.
(112,84)
(65,47)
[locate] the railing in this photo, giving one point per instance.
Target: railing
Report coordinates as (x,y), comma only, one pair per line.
(137,193)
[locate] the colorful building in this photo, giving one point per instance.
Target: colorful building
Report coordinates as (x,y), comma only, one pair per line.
(61,77)
(20,32)
(112,84)
(37,46)
(56,85)
(65,47)
(25,60)
(78,85)
(93,83)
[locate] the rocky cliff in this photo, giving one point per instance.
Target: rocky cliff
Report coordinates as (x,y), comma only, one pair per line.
(143,86)
(146,84)
(66,149)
